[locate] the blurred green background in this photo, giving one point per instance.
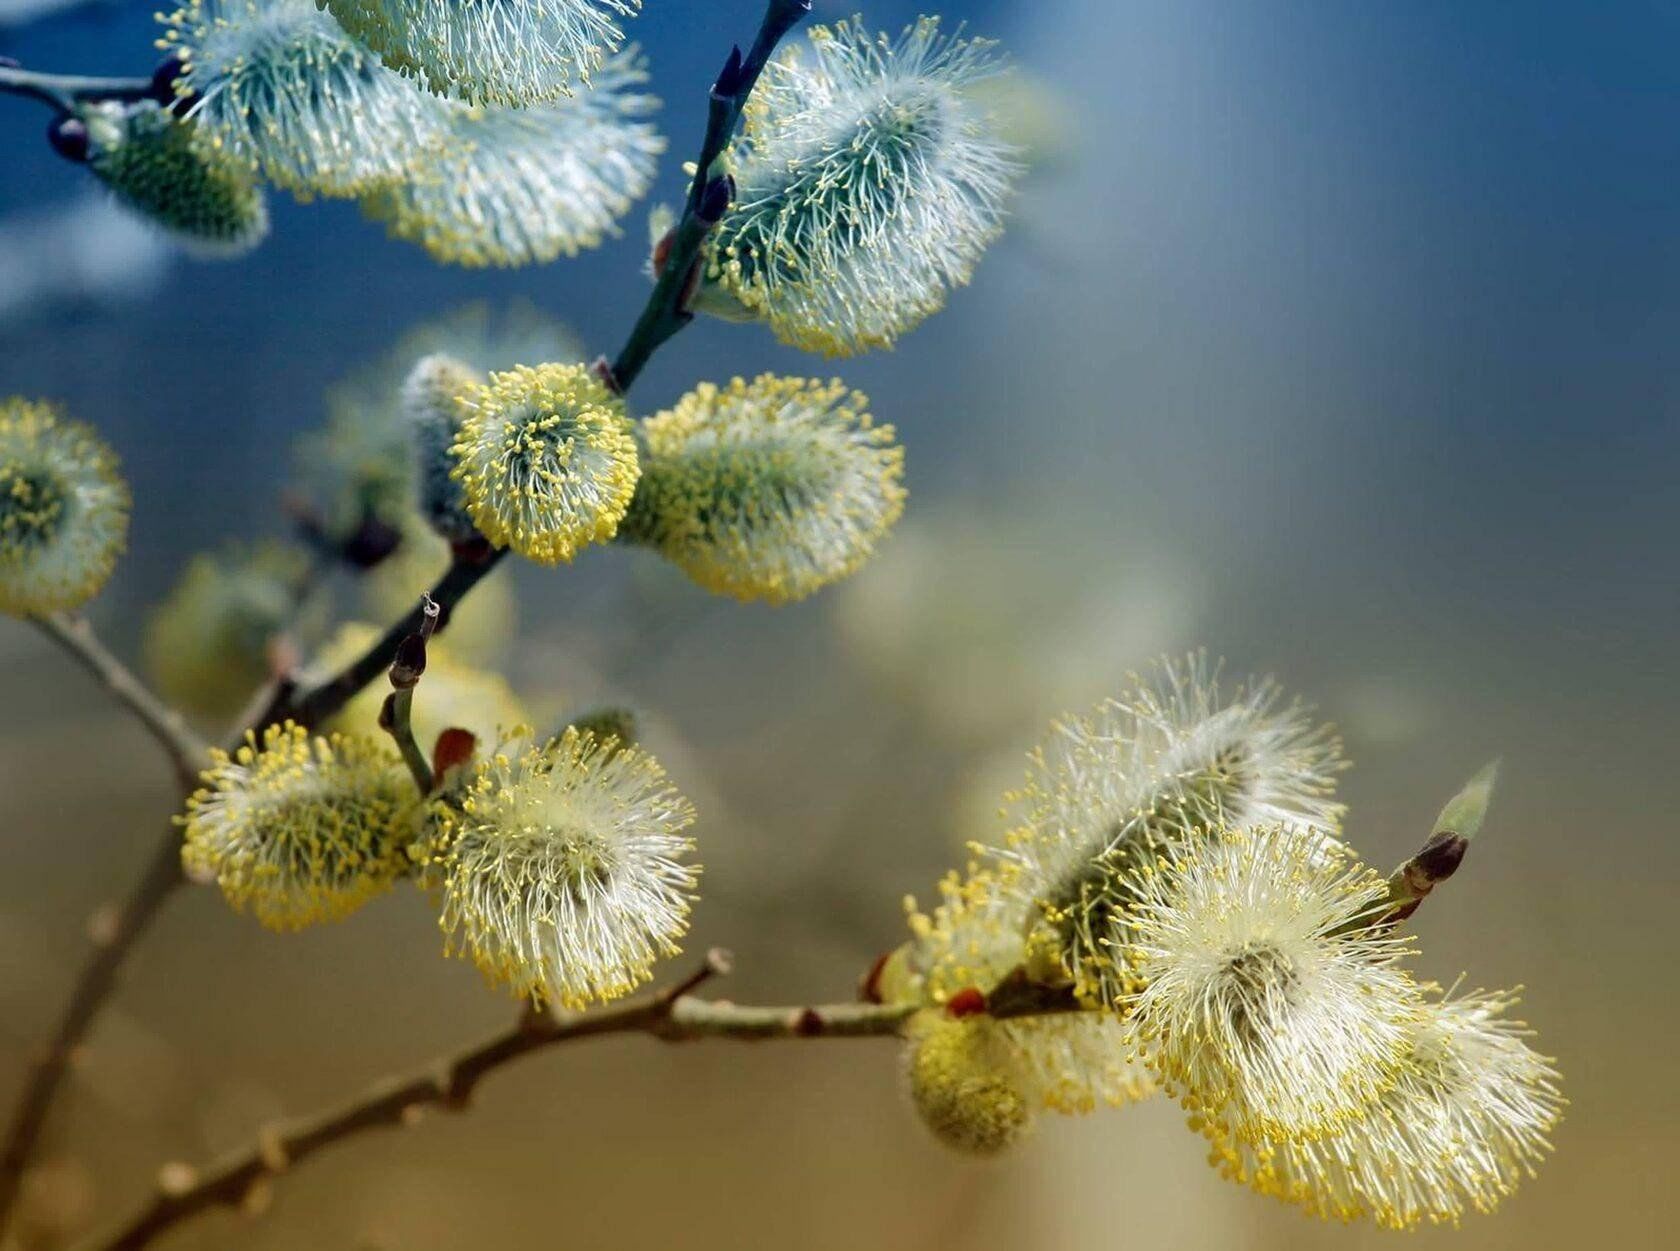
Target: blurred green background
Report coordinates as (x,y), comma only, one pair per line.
(1337,339)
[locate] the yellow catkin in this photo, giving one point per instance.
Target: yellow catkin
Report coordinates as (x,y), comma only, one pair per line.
(968,1102)
(559,868)
(548,460)
(301,828)
(769,489)
(63,510)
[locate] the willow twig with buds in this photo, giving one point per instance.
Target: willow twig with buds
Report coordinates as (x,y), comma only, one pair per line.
(671,1014)
(186,751)
(396,716)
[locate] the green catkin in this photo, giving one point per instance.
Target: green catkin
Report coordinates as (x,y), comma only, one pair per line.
(164,170)
(967,1101)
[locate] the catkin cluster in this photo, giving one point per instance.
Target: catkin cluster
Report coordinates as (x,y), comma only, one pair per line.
(1174,908)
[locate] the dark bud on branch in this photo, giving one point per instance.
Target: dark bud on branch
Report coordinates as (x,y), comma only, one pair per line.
(1460,821)
(164,79)
(603,370)
(477,550)
(715,200)
(69,138)
(869,988)
(370,544)
(728,82)
(410,660)
(409,664)
(1440,857)
(1413,881)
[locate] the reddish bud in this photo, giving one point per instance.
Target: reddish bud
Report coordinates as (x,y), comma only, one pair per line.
(869,989)
(454,747)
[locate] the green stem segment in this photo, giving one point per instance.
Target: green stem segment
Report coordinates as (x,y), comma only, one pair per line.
(396,717)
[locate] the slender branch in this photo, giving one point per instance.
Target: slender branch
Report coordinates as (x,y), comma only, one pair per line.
(317,705)
(186,751)
(670,1015)
(663,315)
(666,311)
(114,932)
(114,935)
(64,91)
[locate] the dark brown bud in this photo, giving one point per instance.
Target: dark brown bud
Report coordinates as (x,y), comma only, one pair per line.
(603,367)
(729,80)
(69,138)
(410,662)
(869,989)
(715,199)
(1441,856)
(475,551)
(370,543)
(164,79)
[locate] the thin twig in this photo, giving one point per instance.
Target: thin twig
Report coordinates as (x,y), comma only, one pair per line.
(317,705)
(114,933)
(114,936)
(671,1015)
(663,316)
(187,752)
(666,311)
(396,716)
(64,91)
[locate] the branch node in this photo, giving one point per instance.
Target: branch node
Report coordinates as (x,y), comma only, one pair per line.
(176,1179)
(271,1149)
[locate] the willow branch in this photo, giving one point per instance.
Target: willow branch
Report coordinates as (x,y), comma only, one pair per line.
(64,91)
(114,932)
(666,311)
(673,1014)
(114,935)
(664,314)
(186,751)
(313,707)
